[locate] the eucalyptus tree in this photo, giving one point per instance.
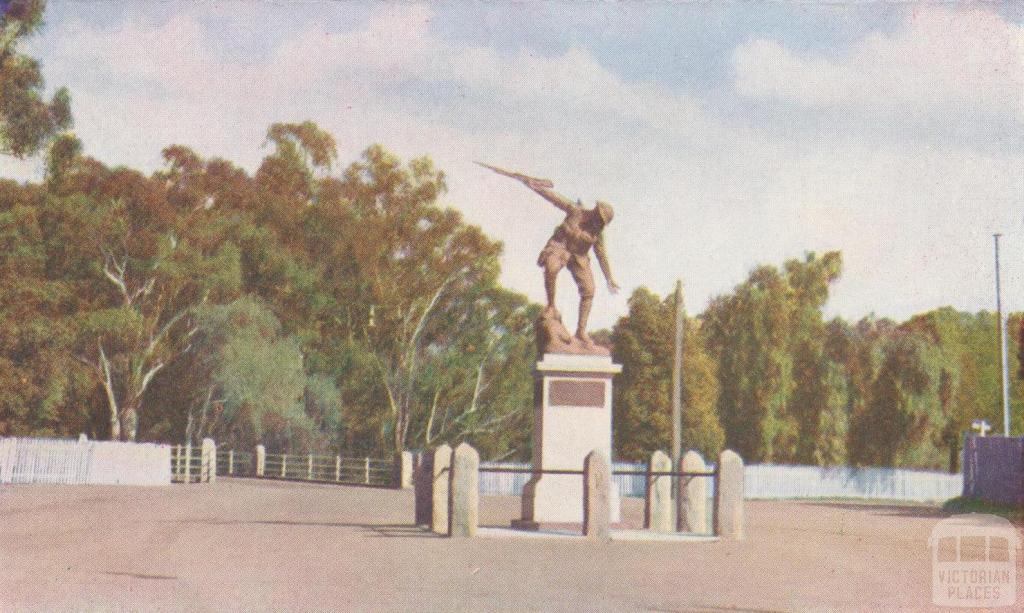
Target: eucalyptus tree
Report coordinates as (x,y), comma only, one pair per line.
(643,343)
(143,262)
(27,121)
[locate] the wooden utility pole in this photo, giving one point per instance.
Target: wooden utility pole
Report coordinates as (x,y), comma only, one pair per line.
(1004,371)
(677,379)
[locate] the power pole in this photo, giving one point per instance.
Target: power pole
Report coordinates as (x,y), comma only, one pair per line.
(1002,346)
(677,379)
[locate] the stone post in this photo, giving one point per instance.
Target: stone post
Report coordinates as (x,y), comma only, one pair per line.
(658,499)
(729,496)
(440,467)
(423,481)
(337,468)
(597,479)
(366,471)
(261,459)
(402,478)
(309,468)
(208,472)
(693,498)
(284,465)
(231,461)
(465,492)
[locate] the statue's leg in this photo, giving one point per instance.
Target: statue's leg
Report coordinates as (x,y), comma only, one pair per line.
(584,278)
(550,276)
(553,264)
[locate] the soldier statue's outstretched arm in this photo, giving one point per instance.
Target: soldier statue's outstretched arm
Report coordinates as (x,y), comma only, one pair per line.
(602,260)
(553,197)
(541,186)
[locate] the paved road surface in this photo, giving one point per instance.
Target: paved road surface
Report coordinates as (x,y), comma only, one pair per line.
(264,545)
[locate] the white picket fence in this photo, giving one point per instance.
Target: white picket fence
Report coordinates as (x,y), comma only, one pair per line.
(70,462)
(773,481)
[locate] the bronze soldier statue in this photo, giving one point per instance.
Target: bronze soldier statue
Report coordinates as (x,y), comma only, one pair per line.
(569,247)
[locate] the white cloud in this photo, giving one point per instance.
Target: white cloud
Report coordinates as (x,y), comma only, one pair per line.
(969,60)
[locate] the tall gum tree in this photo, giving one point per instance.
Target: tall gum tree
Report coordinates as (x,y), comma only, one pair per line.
(149,264)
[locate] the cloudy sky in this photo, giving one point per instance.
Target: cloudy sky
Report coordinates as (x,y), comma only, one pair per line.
(725,134)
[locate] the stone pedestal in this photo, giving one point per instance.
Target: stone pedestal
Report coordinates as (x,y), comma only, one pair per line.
(572,417)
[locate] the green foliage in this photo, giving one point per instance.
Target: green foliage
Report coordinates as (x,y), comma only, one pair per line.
(27,122)
(768,338)
(644,343)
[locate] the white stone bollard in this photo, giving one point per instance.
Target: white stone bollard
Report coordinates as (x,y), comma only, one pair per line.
(231,461)
(309,468)
(465,492)
(208,472)
(440,468)
(403,470)
(693,499)
(337,468)
(729,496)
(597,479)
(261,460)
(658,499)
(284,465)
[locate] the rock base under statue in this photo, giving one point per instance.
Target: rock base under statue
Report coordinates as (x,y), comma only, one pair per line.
(554,338)
(572,417)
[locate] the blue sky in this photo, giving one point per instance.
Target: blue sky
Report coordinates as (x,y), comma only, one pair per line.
(726,134)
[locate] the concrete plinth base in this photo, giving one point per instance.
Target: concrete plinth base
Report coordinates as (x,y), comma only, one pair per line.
(572,417)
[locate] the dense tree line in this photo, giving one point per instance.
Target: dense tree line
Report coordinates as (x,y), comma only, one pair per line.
(294,306)
(768,376)
(313,306)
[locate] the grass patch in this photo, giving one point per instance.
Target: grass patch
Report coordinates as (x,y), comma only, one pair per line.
(972,505)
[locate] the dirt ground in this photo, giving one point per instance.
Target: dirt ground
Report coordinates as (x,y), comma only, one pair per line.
(264,545)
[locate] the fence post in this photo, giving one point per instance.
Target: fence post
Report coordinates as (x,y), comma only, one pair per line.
(208,461)
(176,450)
(401,477)
(337,468)
(692,505)
(188,462)
(464,492)
(729,496)
(261,460)
(423,478)
(658,498)
(596,492)
(231,461)
(309,468)
(366,471)
(284,465)
(440,467)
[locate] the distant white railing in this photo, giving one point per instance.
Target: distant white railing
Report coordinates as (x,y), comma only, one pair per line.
(777,481)
(337,469)
(773,481)
(70,462)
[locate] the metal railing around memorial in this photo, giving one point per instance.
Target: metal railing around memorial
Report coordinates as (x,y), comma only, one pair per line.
(630,478)
(617,471)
